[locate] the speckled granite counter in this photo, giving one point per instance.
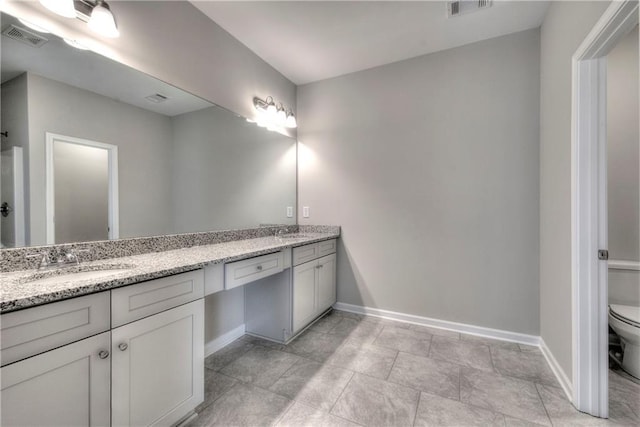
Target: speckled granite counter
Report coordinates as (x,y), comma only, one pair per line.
(18,290)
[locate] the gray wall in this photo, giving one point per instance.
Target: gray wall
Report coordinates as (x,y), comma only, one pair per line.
(430,165)
(144,143)
(229,173)
(623,169)
(175,42)
(14,113)
(563,29)
(623,150)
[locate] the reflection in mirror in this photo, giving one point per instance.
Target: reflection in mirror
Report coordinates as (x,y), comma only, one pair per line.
(82,190)
(178,163)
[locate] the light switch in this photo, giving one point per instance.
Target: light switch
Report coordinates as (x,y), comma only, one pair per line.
(305,211)
(289,211)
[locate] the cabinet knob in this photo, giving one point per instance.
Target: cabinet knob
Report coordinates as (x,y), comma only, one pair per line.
(123,346)
(259,268)
(103,354)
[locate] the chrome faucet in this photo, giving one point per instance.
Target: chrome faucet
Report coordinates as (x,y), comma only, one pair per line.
(279,232)
(64,259)
(45,262)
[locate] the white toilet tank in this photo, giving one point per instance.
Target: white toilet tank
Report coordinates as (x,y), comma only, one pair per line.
(624,283)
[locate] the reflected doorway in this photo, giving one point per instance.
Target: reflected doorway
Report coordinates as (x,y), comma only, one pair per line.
(82,190)
(12,230)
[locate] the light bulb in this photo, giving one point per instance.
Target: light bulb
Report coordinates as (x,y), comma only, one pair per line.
(281,117)
(291,121)
(272,110)
(33,26)
(61,7)
(102,21)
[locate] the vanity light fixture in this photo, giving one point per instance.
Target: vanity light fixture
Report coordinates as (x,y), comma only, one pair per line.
(291,120)
(102,20)
(96,13)
(60,7)
(271,116)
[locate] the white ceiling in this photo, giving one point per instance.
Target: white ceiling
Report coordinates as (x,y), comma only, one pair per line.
(315,40)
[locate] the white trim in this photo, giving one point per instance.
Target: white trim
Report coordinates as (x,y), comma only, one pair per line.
(589,209)
(560,374)
(464,328)
(113,204)
(619,264)
(223,340)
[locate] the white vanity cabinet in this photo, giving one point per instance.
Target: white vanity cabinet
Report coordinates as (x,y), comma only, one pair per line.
(158,367)
(68,386)
(132,356)
(280,306)
(314,289)
(157,347)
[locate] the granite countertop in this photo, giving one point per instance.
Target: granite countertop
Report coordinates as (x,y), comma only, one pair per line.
(18,290)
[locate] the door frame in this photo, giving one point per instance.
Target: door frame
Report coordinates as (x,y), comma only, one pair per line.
(589,208)
(113,208)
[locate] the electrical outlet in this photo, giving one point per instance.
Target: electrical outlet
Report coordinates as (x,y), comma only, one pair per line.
(289,211)
(305,211)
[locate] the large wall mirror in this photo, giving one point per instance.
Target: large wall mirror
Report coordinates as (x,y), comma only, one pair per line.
(93,150)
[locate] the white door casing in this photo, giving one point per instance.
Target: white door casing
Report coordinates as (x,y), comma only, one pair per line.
(589,208)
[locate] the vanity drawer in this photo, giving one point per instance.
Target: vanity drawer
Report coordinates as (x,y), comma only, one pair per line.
(327,247)
(35,330)
(144,299)
(305,253)
(241,272)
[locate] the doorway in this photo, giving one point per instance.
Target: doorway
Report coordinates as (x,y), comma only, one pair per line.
(81,190)
(589,211)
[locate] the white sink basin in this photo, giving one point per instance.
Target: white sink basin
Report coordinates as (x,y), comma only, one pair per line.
(76,273)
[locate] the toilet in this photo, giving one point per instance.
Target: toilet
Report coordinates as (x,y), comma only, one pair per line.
(625,321)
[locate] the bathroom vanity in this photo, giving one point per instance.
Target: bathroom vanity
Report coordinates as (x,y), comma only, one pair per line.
(128,348)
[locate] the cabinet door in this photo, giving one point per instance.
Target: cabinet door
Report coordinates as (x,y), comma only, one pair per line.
(68,386)
(304,294)
(326,282)
(158,367)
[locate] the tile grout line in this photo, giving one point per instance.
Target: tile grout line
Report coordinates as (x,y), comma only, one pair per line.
(353,374)
(415,414)
(281,416)
(493,365)
(543,405)
(392,365)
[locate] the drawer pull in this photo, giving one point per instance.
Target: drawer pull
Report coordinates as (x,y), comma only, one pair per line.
(259,268)
(319,266)
(123,346)
(103,354)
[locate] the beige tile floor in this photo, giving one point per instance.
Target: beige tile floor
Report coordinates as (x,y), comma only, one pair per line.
(349,370)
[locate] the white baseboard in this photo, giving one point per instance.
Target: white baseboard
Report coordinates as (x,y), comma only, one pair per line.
(223,340)
(464,328)
(562,377)
(469,329)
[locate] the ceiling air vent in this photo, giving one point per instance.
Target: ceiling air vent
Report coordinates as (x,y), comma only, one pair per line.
(462,7)
(156,98)
(24,36)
